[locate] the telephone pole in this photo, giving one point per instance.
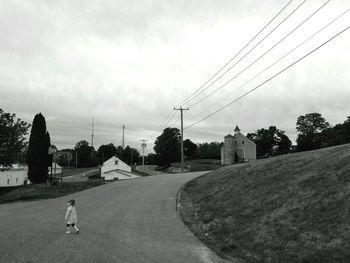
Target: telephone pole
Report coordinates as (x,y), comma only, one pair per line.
(182,136)
(92,132)
(143,145)
(123,136)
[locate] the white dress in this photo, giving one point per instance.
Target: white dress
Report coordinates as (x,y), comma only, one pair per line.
(71,215)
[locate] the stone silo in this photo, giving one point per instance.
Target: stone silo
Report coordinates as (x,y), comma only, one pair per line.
(229,156)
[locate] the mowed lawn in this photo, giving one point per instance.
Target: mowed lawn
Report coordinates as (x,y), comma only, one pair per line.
(200,165)
(290,208)
(33,192)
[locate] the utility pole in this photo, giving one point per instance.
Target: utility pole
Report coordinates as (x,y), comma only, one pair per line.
(92,132)
(123,136)
(143,145)
(182,136)
(76,159)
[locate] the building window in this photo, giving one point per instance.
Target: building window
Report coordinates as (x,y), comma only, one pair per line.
(235,143)
(116,162)
(16,180)
(8,181)
(242,142)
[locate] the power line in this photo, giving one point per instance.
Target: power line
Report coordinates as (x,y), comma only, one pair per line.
(281,58)
(266,52)
(247,53)
(247,44)
(231,59)
(165,122)
(275,75)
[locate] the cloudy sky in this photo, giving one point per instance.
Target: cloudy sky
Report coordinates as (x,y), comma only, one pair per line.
(130,62)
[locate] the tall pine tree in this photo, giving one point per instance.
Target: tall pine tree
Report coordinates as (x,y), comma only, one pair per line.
(37,155)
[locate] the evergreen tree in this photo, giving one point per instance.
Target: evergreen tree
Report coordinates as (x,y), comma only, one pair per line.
(37,155)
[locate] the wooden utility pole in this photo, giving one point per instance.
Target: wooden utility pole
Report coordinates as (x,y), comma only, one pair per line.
(143,145)
(182,136)
(92,132)
(123,136)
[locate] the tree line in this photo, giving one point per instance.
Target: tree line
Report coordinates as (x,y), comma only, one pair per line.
(84,155)
(15,148)
(314,132)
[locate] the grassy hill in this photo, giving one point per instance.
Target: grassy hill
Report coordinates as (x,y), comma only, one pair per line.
(290,208)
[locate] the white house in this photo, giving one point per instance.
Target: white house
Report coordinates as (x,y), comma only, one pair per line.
(114,168)
(14,176)
(237,148)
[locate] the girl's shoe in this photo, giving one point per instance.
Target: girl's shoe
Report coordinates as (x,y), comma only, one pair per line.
(67,232)
(77,232)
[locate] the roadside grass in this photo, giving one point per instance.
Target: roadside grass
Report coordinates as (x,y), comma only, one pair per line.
(200,165)
(139,173)
(290,208)
(45,191)
(74,171)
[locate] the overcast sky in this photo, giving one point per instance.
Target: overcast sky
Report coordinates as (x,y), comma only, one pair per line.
(130,62)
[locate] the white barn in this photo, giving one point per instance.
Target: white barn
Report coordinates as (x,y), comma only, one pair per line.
(114,168)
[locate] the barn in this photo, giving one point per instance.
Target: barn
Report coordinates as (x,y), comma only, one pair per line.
(237,148)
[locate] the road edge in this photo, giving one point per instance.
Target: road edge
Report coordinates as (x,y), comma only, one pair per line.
(217,257)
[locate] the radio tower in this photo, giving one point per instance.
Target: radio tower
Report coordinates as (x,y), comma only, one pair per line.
(92,132)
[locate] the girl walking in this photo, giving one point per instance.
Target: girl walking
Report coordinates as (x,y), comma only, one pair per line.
(71,217)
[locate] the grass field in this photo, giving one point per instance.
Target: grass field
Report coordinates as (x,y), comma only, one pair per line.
(44,191)
(200,165)
(290,208)
(74,171)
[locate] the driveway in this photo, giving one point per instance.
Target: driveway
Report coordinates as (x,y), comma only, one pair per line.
(125,221)
(80,177)
(149,169)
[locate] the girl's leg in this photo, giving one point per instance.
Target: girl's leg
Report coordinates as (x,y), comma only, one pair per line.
(67,229)
(76,228)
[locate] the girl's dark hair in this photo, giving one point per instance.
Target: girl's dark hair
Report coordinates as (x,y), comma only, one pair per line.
(72,202)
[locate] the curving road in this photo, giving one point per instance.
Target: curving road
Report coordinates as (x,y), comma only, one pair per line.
(125,221)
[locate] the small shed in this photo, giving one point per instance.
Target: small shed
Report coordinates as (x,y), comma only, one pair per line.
(13,176)
(114,168)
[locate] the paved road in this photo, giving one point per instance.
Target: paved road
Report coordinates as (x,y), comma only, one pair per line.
(125,221)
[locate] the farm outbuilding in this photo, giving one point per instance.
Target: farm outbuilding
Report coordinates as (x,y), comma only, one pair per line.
(114,168)
(237,148)
(14,176)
